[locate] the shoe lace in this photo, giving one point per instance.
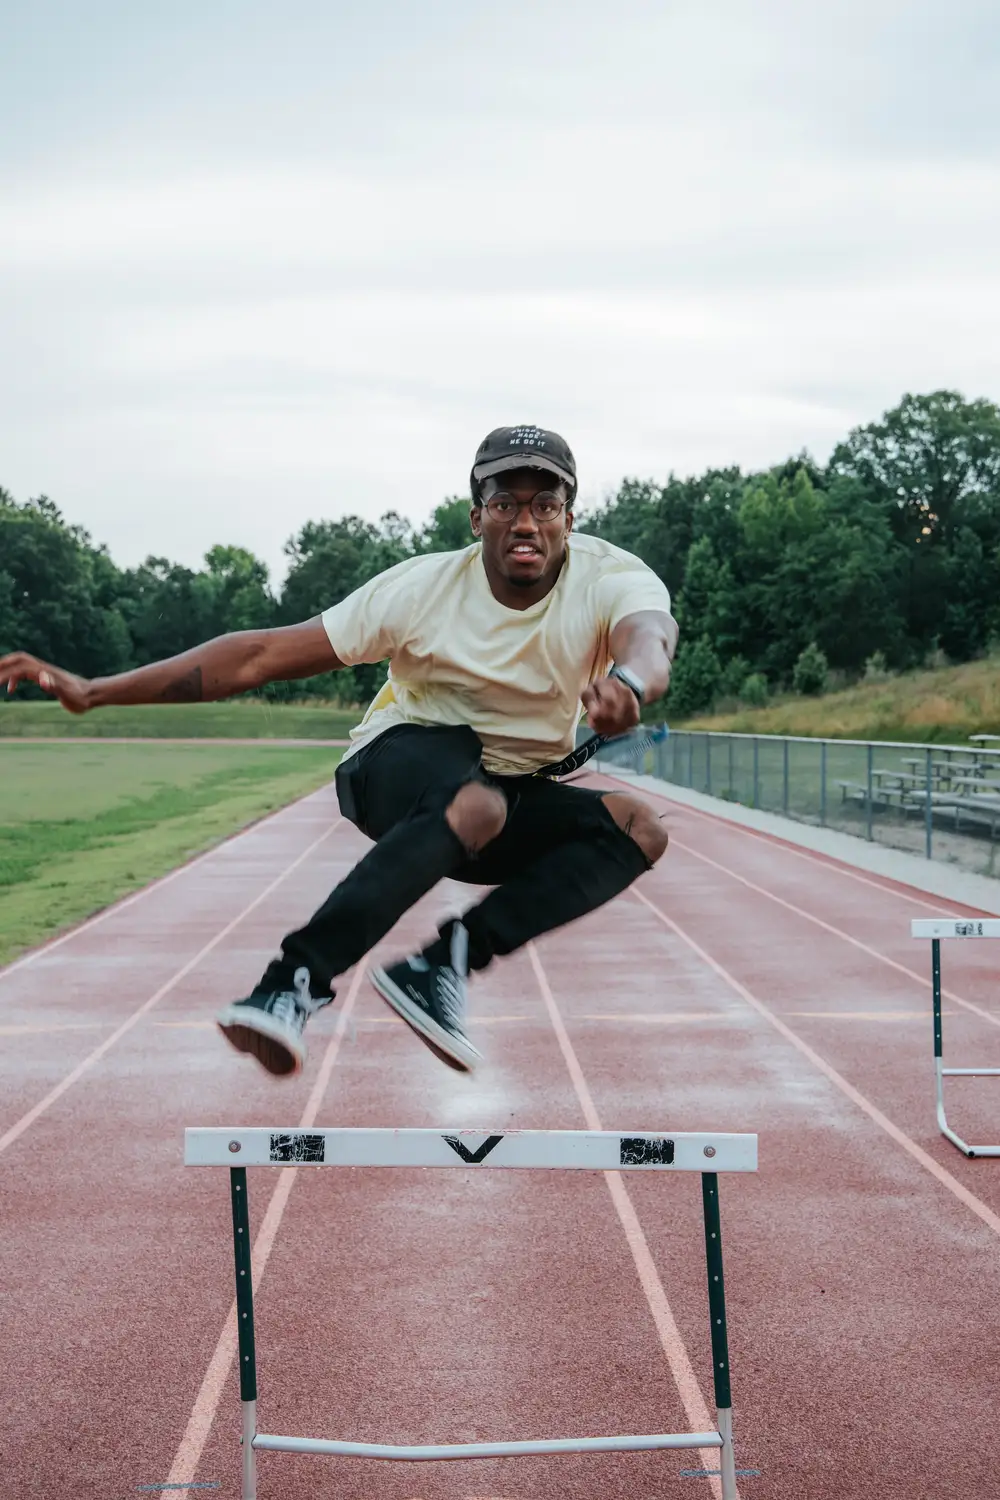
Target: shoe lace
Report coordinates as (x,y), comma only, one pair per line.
(293,1005)
(450,997)
(451,987)
(285,1008)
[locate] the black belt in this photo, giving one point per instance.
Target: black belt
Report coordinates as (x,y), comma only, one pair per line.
(634,740)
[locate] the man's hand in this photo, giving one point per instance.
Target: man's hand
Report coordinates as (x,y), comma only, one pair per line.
(612,708)
(72,691)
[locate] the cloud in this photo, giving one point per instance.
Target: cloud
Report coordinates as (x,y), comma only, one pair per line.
(262,268)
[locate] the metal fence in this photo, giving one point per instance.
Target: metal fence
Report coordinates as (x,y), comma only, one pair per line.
(941,801)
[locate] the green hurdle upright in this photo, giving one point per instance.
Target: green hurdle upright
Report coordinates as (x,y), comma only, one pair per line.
(591,1150)
(953,927)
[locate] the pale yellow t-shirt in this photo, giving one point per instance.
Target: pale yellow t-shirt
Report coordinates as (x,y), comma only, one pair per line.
(458,656)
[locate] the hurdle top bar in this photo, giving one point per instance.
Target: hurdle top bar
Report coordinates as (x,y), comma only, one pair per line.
(590,1150)
(956,927)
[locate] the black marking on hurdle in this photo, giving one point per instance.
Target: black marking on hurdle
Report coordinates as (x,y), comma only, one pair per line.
(639,1151)
(298,1147)
(481,1152)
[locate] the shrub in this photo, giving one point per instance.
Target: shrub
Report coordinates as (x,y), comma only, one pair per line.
(695,681)
(734,675)
(811,671)
(754,690)
(876,667)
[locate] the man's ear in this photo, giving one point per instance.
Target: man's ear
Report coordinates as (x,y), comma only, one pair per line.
(476,520)
(569,522)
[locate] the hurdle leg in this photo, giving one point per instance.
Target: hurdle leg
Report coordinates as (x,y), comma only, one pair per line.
(939,1045)
(941,1072)
(244,1327)
(720,1339)
(939,1067)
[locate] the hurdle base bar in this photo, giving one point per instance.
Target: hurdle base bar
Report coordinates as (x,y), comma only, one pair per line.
(945,1129)
(436,1452)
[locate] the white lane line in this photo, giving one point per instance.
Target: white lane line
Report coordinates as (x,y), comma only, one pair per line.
(154,885)
(371,1023)
(882,958)
(831,863)
(989,1218)
(866,1015)
(40,1029)
(365,1025)
(26,1120)
(686,1381)
(188,1455)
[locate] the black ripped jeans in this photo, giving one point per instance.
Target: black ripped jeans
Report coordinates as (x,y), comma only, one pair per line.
(559,855)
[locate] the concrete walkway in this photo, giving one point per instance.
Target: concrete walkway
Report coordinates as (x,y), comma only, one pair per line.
(928,875)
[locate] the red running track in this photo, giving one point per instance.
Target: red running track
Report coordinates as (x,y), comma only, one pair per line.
(742,985)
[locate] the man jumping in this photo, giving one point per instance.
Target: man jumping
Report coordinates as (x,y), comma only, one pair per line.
(492,651)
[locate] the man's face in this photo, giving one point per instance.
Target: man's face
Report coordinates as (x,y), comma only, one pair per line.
(523,549)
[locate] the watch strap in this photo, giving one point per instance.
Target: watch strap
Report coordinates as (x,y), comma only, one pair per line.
(631,681)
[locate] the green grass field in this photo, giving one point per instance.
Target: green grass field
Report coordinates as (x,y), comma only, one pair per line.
(945,706)
(82,825)
(242,719)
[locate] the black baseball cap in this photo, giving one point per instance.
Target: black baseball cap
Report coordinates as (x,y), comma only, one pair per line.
(523,448)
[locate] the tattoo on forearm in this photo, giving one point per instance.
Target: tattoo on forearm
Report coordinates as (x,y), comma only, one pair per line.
(186,689)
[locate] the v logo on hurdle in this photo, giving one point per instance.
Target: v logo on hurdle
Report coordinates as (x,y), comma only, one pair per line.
(477,1156)
(586,1150)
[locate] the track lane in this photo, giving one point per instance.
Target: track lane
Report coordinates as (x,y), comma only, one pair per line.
(133,1294)
(841,1262)
(503,1305)
(861,1271)
(861,991)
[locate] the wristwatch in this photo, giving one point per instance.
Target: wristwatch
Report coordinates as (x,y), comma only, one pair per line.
(631,681)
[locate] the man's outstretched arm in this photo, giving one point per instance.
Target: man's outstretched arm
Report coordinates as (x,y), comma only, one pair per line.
(221,668)
(644,643)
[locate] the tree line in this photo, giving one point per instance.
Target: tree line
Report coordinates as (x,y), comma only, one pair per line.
(63,598)
(883,558)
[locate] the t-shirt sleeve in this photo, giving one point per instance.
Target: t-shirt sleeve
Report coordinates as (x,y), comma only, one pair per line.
(370,624)
(626,590)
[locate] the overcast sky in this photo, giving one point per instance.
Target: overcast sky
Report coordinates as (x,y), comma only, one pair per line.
(265,264)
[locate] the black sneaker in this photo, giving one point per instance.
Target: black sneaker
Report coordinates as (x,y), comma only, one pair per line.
(270,1025)
(431,999)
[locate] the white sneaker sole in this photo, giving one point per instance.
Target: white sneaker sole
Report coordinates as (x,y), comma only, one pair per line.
(457,1052)
(271,1042)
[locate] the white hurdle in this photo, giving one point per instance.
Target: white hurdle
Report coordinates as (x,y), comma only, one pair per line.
(585,1150)
(953,927)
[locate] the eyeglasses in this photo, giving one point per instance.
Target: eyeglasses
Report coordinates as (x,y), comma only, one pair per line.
(545,506)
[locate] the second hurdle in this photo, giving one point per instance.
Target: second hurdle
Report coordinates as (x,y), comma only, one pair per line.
(938,928)
(589,1150)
